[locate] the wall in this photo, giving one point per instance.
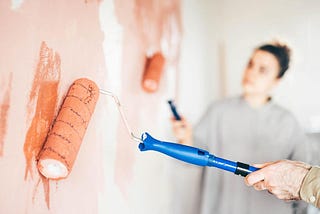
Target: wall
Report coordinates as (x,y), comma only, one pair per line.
(246,24)
(46,46)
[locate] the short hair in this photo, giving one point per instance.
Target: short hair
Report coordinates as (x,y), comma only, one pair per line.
(281,52)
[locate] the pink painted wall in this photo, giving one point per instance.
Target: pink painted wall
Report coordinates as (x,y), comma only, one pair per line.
(45,46)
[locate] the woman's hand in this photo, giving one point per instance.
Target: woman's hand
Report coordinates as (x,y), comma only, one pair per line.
(182,131)
(282,178)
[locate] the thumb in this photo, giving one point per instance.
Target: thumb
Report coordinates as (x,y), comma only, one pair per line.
(254,177)
(262,165)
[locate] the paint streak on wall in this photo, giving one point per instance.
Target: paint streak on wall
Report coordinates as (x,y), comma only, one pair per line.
(44,93)
(4,109)
(73,29)
(148,27)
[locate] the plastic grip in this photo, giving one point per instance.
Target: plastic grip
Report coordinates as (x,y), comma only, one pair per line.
(244,169)
(181,152)
(224,164)
(194,155)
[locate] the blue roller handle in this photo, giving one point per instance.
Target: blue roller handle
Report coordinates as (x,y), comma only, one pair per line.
(194,155)
(174,110)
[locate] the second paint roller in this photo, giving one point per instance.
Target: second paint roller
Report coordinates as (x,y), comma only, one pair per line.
(153,72)
(64,139)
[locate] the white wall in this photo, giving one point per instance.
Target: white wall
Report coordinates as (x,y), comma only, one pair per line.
(245,24)
(198,63)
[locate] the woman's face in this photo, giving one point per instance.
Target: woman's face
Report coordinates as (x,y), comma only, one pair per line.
(261,74)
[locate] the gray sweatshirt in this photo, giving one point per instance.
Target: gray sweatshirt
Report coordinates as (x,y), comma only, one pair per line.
(233,130)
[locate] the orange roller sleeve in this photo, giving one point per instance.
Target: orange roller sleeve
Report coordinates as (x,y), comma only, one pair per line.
(60,150)
(153,72)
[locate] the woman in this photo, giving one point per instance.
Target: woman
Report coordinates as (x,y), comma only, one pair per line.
(250,128)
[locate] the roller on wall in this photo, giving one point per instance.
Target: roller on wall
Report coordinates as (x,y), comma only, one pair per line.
(153,72)
(60,150)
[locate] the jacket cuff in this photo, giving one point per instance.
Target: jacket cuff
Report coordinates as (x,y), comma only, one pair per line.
(310,188)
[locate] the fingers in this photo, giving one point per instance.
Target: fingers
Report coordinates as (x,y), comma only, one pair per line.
(259,186)
(262,165)
(254,177)
(179,127)
(273,176)
(178,123)
(280,194)
(283,195)
(182,131)
(257,176)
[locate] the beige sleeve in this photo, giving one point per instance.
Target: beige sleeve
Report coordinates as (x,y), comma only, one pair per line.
(310,189)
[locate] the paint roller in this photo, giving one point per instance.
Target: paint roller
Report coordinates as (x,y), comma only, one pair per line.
(153,72)
(60,150)
(64,139)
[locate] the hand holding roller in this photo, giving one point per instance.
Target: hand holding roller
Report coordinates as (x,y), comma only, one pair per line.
(63,142)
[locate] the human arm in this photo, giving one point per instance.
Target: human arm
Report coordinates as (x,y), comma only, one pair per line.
(288,180)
